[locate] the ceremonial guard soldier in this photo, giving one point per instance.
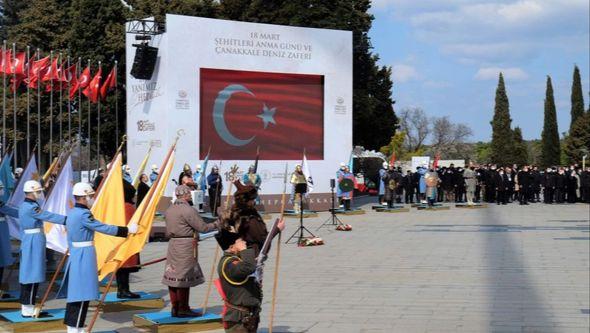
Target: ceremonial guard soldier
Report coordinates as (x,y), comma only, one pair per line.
(154,174)
(81,272)
(215,185)
(339,176)
(382,173)
(200,185)
(182,270)
(421,172)
(253,179)
(32,249)
(243,295)
(299,182)
(392,179)
(470,183)
(127,174)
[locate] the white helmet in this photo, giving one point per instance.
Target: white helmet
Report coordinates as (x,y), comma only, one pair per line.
(32,186)
(154,167)
(385,165)
(18,171)
(126,168)
(342,164)
(82,189)
(198,167)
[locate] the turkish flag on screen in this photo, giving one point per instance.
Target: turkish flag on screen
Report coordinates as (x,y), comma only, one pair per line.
(279,112)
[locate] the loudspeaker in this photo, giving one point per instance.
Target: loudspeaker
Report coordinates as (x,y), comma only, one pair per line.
(332,183)
(144,62)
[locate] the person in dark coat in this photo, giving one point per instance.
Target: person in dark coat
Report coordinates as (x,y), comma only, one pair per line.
(392,179)
(215,186)
(408,182)
(459,185)
(142,189)
(510,184)
(490,184)
(501,181)
(572,186)
(524,183)
(585,185)
(560,184)
(130,266)
(537,179)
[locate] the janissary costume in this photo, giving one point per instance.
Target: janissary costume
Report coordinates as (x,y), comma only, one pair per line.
(346,196)
(182,269)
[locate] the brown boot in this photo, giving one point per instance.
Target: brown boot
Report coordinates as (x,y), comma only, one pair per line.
(184,311)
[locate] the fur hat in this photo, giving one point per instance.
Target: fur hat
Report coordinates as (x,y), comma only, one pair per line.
(248,192)
(226,238)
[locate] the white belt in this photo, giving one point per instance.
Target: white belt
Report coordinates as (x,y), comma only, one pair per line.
(2,219)
(33,231)
(82,244)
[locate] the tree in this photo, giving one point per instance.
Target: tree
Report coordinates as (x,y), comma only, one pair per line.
(577,98)
(449,139)
(415,124)
(550,150)
(520,148)
(577,143)
(501,147)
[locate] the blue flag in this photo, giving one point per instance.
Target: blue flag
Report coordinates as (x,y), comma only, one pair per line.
(350,163)
(6,177)
(203,180)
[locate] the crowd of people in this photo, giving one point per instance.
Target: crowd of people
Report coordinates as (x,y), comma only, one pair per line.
(487,183)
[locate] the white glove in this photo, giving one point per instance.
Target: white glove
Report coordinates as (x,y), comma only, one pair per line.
(132,228)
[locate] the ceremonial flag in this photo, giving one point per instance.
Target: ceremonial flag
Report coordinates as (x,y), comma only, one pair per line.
(436,158)
(307,173)
(241,110)
(52,71)
(141,168)
(6,176)
(81,83)
(203,180)
(109,208)
(18,64)
(6,62)
(60,201)
(392,158)
(92,91)
(18,196)
(38,69)
(109,83)
(69,76)
(144,217)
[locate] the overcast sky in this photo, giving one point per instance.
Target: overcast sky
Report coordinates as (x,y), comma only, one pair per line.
(446,56)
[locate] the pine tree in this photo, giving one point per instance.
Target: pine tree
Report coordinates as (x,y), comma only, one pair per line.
(550,150)
(520,148)
(502,144)
(577,143)
(577,97)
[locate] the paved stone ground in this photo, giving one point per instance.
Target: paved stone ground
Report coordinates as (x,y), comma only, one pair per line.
(501,269)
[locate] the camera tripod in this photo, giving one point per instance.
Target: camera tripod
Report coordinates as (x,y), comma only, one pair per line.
(301,228)
(333,219)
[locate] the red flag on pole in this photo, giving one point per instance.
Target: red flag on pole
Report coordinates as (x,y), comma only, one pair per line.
(436,158)
(92,91)
(18,64)
(81,83)
(109,83)
(37,71)
(68,76)
(6,62)
(52,73)
(392,159)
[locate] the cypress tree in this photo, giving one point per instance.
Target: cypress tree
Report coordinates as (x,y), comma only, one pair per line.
(502,144)
(577,144)
(577,97)
(521,154)
(550,150)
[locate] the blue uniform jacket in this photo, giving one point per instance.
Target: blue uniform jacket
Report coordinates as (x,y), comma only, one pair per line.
(422,182)
(6,258)
(81,275)
(339,175)
(32,247)
(153,176)
(382,173)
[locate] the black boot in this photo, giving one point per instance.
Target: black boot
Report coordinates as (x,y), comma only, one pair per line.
(123,285)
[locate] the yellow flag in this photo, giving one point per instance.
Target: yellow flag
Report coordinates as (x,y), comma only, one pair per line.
(143,216)
(109,208)
(141,168)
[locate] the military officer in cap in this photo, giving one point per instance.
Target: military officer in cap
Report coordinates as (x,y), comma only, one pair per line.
(182,270)
(80,279)
(243,295)
(32,249)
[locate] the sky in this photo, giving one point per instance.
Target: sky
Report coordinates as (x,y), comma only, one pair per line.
(446,56)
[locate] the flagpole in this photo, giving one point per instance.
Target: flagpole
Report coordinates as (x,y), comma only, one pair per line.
(4,98)
(78,71)
(51,107)
(89,134)
(116,107)
(28,103)
(14,143)
(69,110)
(98,122)
(39,149)
(60,117)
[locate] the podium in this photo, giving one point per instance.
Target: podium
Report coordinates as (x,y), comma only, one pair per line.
(146,301)
(163,322)
(52,322)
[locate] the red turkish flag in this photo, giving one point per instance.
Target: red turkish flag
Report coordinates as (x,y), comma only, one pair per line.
(82,82)
(92,91)
(52,73)
(282,113)
(18,64)
(37,71)
(109,83)
(6,62)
